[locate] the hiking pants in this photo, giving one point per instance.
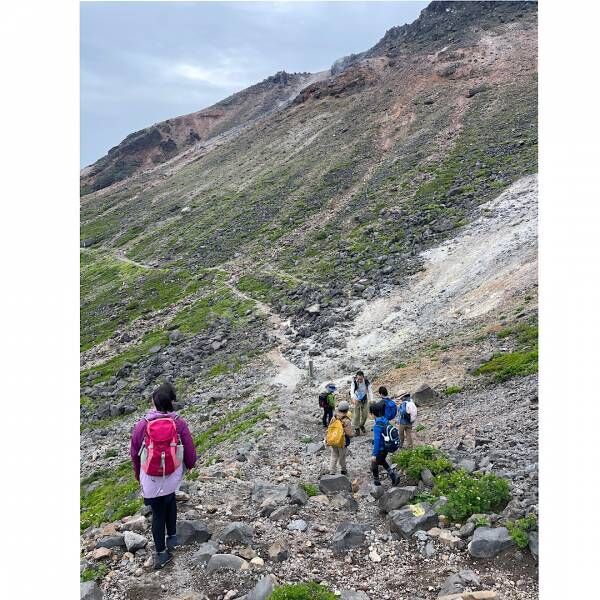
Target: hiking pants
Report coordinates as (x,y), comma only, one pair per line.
(402,429)
(359,414)
(338,455)
(379,460)
(327,415)
(164,514)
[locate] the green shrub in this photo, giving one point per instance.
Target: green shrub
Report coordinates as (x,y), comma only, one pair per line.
(511,364)
(111,453)
(413,460)
(453,389)
(94,573)
(469,495)
(518,530)
(420,427)
(302,591)
(310,488)
(482,522)
(424,497)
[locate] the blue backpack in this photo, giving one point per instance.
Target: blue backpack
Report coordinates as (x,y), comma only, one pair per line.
(403,415)
(390,409)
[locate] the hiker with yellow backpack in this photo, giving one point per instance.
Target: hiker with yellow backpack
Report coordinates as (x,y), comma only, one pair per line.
(338,437)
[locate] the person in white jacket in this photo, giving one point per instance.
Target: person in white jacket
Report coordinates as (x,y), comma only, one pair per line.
(406,418)
(361,396)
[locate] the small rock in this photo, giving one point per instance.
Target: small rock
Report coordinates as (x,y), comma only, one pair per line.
(278,551)
(189,532)
(204,553)
(298,525)
(374,556)
(262,590)
(329,484)
(489,541)
(89,590)
(236,532)
(396,497)
(134,541)
(348,535)
(298,495)
(113,541)
(101,553)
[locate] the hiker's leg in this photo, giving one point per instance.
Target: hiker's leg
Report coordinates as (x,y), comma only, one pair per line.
(375,468)
(158,521)
(409,441)
(329,414)
(364,415)
(356,417)
(323,419)
(171,514)
(333,461)
(401,432)
(381,461)
(342,455)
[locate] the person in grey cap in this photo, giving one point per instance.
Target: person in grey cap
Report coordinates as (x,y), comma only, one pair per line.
(339,454)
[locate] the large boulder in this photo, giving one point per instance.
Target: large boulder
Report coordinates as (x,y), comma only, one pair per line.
(489,541)
(423,394)
(457,582)
(533,544)
(226,562)
(279,551)
(348,535)
(298,495)
(134,541)
(111,541)
(344,501)
(190,532)
(262,590)
(89,590)
(263,490)
(396,497)
(236,532)
(408,519)
(329,484)
(204,553)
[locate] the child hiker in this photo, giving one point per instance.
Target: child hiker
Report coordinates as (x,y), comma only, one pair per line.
(338,453)
(161,445)
(379,452)
(407,415)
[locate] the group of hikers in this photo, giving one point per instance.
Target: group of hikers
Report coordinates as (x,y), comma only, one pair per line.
(162,447)
(394,420)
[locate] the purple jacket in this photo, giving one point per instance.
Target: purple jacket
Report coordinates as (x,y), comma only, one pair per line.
(139,431)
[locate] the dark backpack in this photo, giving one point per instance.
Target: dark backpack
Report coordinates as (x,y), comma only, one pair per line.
(323,399)
(391,438)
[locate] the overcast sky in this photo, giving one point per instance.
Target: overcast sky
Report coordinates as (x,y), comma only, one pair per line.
(144,62)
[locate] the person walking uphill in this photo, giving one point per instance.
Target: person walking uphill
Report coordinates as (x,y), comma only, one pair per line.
(361,394)
(407,415)
(161,445)
(338,452)
(327,403)
(390,406)
(379,453)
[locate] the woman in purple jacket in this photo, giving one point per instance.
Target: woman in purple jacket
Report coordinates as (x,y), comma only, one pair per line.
(159,490)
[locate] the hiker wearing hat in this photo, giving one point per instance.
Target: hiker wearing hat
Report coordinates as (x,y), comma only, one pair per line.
(338,453)
(407,415)
(361,395)
(327,403)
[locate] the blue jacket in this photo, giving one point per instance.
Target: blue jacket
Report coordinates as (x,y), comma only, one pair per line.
(390,408)
(378,430)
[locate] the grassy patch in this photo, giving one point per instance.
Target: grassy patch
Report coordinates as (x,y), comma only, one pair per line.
(109,495)
(413,460)
(510,364)
(310,488)
(519,530)
(231,427)
(302,591)
(94,573)
(453,389)
(469,494)
(420,427)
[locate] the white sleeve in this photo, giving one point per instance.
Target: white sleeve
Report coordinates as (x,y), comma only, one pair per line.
(352,391)
(370,393)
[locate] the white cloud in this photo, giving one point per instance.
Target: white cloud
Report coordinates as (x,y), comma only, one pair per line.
(219,77)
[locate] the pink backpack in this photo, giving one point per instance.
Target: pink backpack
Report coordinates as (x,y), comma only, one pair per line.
(161,452)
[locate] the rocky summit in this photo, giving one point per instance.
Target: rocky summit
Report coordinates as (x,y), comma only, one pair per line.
(382,216)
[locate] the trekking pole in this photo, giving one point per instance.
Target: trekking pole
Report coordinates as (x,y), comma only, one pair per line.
(311,373)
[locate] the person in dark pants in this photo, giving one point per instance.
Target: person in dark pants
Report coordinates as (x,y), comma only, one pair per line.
(161,475)
(379,453)
(327,403)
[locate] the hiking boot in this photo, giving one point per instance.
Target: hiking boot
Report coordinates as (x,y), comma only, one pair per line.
(357,432)
(344,472)
(161,559)
(376,482)
(394,477)
(362,428)
(171,543)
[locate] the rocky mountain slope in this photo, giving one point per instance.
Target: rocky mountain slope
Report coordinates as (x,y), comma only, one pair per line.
(382,216)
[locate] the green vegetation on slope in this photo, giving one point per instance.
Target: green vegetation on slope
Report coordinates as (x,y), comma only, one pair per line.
(302,591)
